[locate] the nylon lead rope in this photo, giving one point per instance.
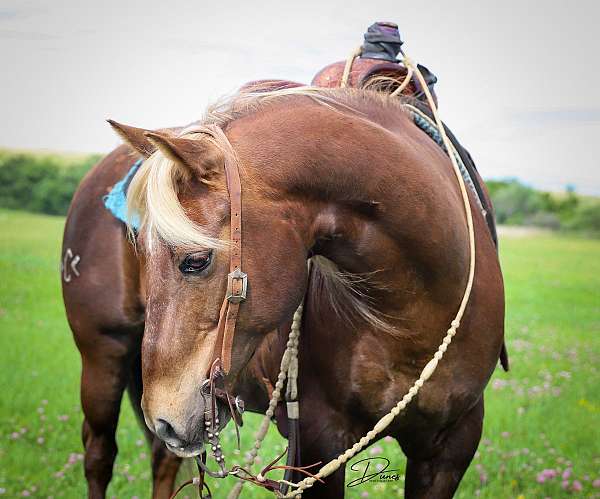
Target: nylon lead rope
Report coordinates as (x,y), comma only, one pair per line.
(431,366)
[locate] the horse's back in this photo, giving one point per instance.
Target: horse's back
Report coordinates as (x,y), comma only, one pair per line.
(100,278)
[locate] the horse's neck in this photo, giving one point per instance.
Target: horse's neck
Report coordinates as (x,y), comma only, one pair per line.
(378,198)
(374,195)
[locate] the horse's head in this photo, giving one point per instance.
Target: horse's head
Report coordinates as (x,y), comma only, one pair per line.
(202,314)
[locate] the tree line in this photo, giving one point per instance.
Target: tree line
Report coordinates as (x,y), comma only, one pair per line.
(42,183)
(45,183)
(519,204)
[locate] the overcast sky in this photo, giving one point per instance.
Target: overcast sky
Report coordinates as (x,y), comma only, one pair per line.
(518,80)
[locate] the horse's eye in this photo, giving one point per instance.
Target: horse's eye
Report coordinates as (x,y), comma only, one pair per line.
(196,262)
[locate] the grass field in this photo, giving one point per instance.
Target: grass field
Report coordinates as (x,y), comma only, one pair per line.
(542,428)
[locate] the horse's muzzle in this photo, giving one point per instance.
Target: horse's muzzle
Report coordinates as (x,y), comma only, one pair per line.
(215,407)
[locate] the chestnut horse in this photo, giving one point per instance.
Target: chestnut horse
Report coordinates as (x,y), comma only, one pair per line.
(346,176)
(352,182)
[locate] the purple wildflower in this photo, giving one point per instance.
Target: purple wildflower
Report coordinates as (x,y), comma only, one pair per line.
(376,450)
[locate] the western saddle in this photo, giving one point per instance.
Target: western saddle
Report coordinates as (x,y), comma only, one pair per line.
(374,66)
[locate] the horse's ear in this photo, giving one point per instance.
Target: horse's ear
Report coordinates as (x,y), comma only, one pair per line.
(134,138)
(201,157)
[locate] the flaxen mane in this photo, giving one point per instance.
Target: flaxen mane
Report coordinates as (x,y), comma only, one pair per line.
(153,192)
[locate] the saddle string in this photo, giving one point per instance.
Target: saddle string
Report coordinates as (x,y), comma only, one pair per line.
(404,83)
(348,67)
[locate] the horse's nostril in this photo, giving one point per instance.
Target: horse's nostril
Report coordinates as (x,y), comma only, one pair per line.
(166,432)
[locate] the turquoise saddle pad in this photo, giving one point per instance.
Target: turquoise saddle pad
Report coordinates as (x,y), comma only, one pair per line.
(116,200)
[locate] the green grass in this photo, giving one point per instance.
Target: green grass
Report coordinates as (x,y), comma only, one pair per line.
(543,414)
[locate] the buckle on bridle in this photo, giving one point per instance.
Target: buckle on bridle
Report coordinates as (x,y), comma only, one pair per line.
(239,295)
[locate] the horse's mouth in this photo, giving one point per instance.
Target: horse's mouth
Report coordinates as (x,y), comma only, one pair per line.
(191,450)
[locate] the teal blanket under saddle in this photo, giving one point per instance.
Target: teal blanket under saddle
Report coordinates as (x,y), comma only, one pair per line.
(116,200)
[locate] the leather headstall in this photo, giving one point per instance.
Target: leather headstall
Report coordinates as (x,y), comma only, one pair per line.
(237,280)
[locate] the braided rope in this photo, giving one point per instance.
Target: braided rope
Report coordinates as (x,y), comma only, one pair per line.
(431,366)
(289,359)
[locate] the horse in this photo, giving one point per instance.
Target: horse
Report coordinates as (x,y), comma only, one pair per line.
(344,178)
